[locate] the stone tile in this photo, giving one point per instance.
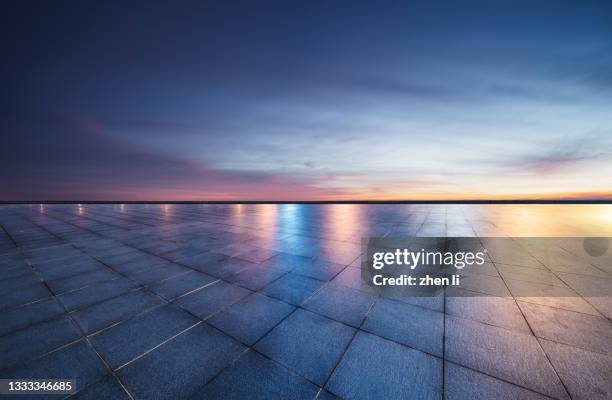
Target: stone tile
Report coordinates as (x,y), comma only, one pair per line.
(59,286)
(293,289)
(375,368)
(93,294)
(29,343)
(318,269)
(575,329)
(509,355)
(488,285)
(255,254)
(114,310)
(61,269)
(307,343)
(251,318)
(413,326)
(548,295)
(585,374)
(179,285)
(225,268)
(342,304)
(106,388)
(77,361)
(212,299)
(157,273)
(351,278)
(256,278)
(466,384)
(142,263)
(253,376)
(536,275)
(202,262)
(498,311)
(30,314)
(129,339)
(434,303)
(23,295)
(11,284)
(178,368)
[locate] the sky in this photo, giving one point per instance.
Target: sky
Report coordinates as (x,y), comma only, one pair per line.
(317,100)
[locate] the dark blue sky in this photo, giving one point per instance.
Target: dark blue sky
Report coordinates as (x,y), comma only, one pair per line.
(306,100)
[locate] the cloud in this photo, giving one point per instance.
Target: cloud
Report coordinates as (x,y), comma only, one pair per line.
(81,161)
(561,155)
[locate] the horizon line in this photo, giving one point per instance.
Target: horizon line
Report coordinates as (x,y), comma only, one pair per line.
(366,201)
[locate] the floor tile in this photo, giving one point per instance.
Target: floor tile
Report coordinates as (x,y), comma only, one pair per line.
(59,286)
(251,318)
(105,388)
(30,314)
(253,376)
(77,361)
(413,326)
(342,304)
(23,295)
(498,311)
(96,293)
(585,374)
(509,355)
(466,384)
(129,339)
(256,278)
(575,329)
(307,343)
(375,368)
(293,289)
(178,285)
(212,299)
(177,369)
(106,313)
(26,344)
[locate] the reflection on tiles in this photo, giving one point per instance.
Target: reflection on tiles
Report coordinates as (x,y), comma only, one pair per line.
(264,301)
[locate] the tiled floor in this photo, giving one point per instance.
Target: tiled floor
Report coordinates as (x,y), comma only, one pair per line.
(266,301)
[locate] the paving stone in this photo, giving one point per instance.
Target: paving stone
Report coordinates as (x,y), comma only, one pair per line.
(307,343)
(212,299)
(224,268)
(293,289)
(585,374)
(466,384)
(181,284)
(23,295)
(129,339)
(498,311)
(178,368)
(509,355)
(157,273)
(77,361)
(110,311)
(253,376)
(256,278)
(30,314)
(59,286)
(579,330)
(251,318)
(375,368)
(96,293)
(29,343)
(106,388)
(342,304)
(413,326)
